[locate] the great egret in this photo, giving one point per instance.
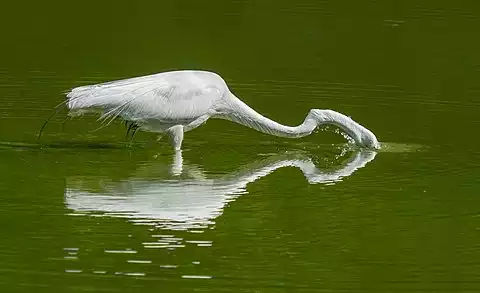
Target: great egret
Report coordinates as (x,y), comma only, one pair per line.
(178,101)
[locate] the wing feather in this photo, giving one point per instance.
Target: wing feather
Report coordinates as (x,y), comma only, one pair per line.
(168,96)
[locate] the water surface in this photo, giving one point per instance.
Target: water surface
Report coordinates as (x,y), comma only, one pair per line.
(238,210)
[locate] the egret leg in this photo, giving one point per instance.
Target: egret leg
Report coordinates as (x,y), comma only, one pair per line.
(176,136)
(135,128)
(132,125)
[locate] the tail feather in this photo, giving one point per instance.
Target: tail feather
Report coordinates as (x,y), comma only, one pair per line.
(87,99)
(82,98)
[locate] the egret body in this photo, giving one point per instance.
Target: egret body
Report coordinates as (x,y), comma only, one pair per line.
(175,102)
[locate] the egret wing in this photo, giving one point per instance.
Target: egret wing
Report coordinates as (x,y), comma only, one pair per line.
(170,96)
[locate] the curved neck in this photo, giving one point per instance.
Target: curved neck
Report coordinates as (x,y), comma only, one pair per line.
(239,112)
(235,110)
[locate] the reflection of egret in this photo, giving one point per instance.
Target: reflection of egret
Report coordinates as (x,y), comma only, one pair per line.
(179,101)
(192,200)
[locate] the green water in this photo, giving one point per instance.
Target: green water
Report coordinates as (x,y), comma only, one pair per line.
(241,211)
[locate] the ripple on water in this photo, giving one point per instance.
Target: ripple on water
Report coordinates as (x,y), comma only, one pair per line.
(72,249)
(135,274)
(196,277)
(164,246)
(390,147)
(73,271)
(121,251)
(168,266)
(139,261)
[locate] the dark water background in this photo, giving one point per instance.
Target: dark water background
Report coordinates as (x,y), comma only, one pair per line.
(248,213)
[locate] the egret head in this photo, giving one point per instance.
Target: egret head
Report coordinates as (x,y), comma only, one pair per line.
(361,135)
(367,139)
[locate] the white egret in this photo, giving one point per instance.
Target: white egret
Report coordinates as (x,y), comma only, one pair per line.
(178,101)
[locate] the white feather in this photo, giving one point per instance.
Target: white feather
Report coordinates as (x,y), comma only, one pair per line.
(168,96)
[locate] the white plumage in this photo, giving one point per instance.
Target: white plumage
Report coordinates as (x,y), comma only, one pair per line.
(178,101)
(170,96)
